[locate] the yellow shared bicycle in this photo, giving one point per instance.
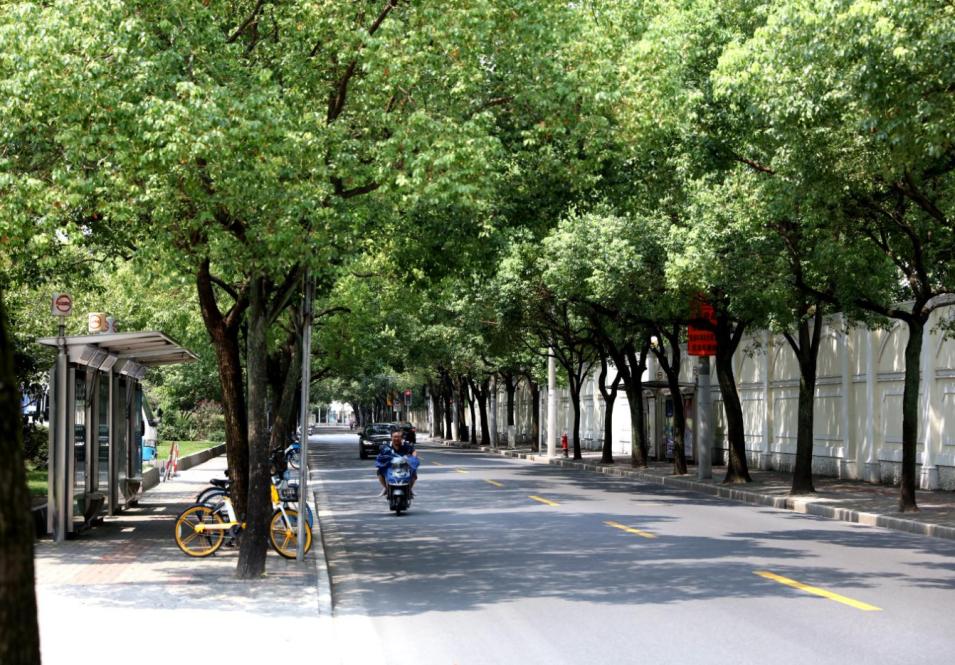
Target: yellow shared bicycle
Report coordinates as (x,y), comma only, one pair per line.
(201,529)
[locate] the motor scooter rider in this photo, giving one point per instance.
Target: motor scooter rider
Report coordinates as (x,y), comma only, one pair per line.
(398,446)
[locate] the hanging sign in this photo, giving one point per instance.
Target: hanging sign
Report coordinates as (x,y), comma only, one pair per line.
(700,341)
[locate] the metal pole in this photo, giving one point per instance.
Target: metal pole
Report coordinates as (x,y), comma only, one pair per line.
(60,467)
(492,416)
(704,410)
(551,405)
(306,383)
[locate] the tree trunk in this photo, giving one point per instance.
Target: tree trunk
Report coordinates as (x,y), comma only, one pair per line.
(224,333)
(482,394)
(535,414)
(807,353)
(510,386)
(671,367)
(575,400)
(234,409)
(438,406)
(727,339)
(910,412)
(448,405)
(606,455)
(633,386)
(254,543)
(472,430)
(610,396)
(19,632)
(285,405)
(462,403)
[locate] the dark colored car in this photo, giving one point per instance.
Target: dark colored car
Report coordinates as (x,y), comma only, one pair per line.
(373,437)
(408,431)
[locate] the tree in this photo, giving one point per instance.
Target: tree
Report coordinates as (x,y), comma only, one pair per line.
(221,166)
(609,393)
(864,90)
(19,632)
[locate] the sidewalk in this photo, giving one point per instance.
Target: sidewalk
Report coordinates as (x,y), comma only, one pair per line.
(846,500)
(124,591)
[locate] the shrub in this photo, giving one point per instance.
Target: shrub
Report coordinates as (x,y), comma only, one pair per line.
(36,444)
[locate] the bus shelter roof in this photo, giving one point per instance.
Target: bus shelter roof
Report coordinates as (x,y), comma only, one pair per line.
(146,348)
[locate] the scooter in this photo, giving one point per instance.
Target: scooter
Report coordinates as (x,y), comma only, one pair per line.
(398,477)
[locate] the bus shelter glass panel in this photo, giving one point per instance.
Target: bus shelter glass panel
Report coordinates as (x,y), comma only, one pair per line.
(102,435)
(120,420)
(79,441)
(136,431)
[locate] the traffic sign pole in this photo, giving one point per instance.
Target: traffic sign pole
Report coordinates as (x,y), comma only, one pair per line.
(704,415)
(306,384)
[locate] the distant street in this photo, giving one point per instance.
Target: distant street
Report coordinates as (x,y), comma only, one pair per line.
(504,561)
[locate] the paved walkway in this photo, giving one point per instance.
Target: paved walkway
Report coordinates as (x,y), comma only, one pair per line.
(124,590)
(846,500)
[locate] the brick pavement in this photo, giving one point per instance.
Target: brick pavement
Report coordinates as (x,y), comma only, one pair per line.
(113,590)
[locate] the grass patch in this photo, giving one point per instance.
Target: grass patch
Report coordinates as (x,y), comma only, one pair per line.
(185,447)
(36,480)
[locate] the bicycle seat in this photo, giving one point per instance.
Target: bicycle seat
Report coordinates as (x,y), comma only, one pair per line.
(220,482)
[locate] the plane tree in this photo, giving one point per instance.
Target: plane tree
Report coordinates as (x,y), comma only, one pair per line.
(853,100)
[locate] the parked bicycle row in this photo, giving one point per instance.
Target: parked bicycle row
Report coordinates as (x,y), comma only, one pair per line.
(211,522)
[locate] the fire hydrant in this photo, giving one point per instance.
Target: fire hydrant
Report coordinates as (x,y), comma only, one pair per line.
(563,443)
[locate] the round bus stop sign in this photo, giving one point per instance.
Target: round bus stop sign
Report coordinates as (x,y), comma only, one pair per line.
(62,304)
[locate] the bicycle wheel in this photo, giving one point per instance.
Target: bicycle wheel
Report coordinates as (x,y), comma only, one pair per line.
(210,494)
(294,458)
(283,534)
(191,538)
(308,511)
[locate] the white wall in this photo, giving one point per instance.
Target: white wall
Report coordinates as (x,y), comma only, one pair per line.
(858,407)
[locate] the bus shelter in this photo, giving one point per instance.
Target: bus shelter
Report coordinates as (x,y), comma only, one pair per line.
(96,424)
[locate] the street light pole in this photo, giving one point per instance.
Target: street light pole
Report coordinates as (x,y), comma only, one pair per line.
(306,384)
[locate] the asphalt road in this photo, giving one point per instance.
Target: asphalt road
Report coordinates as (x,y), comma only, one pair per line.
(504,561)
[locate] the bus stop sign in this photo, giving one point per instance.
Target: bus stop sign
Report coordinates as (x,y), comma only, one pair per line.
(62,304)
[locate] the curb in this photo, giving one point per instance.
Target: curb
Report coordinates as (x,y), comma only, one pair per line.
(321,565)
(794,504)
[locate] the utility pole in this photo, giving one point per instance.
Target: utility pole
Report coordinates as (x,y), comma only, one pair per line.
(551,405)
(306,384)
(493,415)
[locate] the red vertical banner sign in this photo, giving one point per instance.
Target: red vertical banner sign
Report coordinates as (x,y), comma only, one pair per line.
(700,341)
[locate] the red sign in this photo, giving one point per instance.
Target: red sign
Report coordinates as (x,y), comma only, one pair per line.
(700,341)
(62,304)
(408,393)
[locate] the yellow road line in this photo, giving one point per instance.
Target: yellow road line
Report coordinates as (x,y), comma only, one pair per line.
(493,482)
(545,501)
(859,605)
(460,470)
(630,529)
(437,463)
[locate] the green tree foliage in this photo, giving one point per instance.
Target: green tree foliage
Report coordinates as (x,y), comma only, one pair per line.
(853,100)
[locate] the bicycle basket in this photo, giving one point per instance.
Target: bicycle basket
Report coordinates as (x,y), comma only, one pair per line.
(288,492)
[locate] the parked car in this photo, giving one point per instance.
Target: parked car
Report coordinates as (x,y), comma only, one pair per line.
(372,437)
